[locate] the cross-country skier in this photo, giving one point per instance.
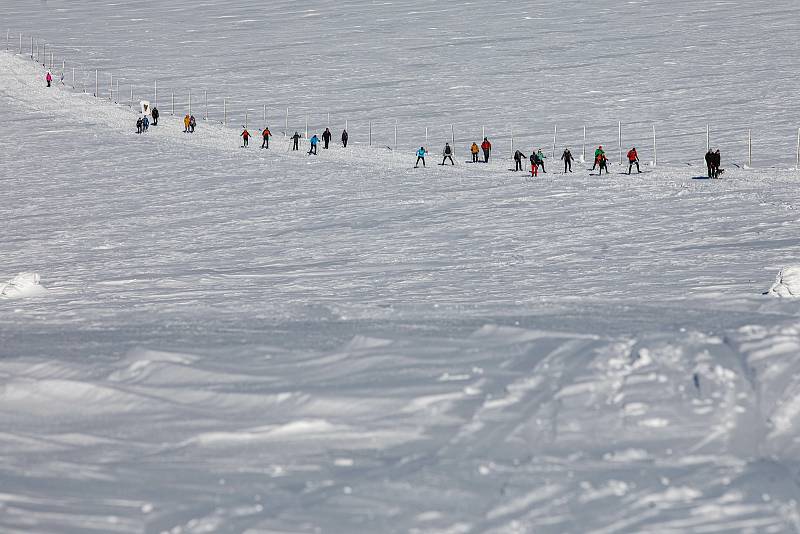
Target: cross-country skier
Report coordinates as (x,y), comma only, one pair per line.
(186,124)
(420,157)
(326,138)
(245,137)
(597,153)
(518,157)
(710,162)
(602,162)
(314,140)
(540,156)
(344,138)
(139,125)
(192,124)
(154,113)
(265,135)
(716,161)
(48,78)
(566,157)
(534,164)
(296,139)
(487,148)
(448,154)
(633,158)
(474,150)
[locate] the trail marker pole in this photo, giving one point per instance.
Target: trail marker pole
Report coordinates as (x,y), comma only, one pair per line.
(265,115)
(306,125)
(286,125)
(619,140)
(96,84)
(512,141)
(655,153)
(205,98)
(483,132)
(190,101)
(111,91)
(43,57)
(453,135)
(426,136)
(73,77)
(797,163)
(708,138)
(155,94)
(395,135)
(20,45)
(749,148)
(224,111)
(328,124)
(172,112)
(64,68)
(8,38)
(245,118)
(130,104)
(555,136)
(583,157)
(370,133)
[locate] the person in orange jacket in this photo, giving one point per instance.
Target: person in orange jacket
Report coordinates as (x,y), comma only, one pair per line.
(487,148)
(266,135)
(633,158)
(186,121)
(245,137)
(474,150)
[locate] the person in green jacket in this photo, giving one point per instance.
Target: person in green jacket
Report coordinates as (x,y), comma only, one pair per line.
(541,157)
(597,153)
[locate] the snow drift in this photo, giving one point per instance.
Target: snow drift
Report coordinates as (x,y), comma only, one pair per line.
(21,286)
(787,283)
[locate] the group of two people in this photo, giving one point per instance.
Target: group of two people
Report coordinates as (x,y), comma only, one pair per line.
(713,161)
(601,161)
(189,124)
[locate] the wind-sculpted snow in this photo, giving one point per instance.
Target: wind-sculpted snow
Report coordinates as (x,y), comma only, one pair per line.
(259,341)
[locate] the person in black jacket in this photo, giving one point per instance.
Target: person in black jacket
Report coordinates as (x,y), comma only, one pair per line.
(710,163)
(326,138)
(716,161)
(518,157)
(154,114)
(344,138)
(567,158)
(448,154)
(296,139)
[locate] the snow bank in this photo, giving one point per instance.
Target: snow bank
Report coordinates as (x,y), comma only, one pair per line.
(787,283)
(21,286)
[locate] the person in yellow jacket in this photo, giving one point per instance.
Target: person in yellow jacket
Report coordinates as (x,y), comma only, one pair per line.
(186,121)
(474,149)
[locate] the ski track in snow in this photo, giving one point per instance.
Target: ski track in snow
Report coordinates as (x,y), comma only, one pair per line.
(258,341)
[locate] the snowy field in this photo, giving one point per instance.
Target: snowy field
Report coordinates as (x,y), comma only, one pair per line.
(258,341)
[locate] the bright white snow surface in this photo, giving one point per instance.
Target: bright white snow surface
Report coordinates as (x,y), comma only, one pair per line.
(258,341)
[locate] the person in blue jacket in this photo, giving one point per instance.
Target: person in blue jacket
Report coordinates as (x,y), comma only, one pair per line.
(420,157)
(314,140)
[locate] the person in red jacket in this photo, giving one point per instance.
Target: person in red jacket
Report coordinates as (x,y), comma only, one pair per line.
(633,158)
(266,135)
(245,136)
(487,148)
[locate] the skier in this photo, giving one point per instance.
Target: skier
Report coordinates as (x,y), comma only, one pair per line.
(567,158)
(716,161)
(420,157)
(597,153)
(139,125)
(326,138)
(518,157)
(145,123)
(602,162)
(534,164)
(154,113)
(633,158)
(265,135)
(710,162)
(314,140)
(48,78)
(448,154)
(474,149)
(245,137)
(192,124)
(186,124)
(296,139)
(345,137)
(487,148)
(540,156)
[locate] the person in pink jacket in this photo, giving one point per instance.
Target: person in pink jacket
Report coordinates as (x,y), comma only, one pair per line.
(48,78)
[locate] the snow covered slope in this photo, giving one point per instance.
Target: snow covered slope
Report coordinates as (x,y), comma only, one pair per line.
(258,341)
